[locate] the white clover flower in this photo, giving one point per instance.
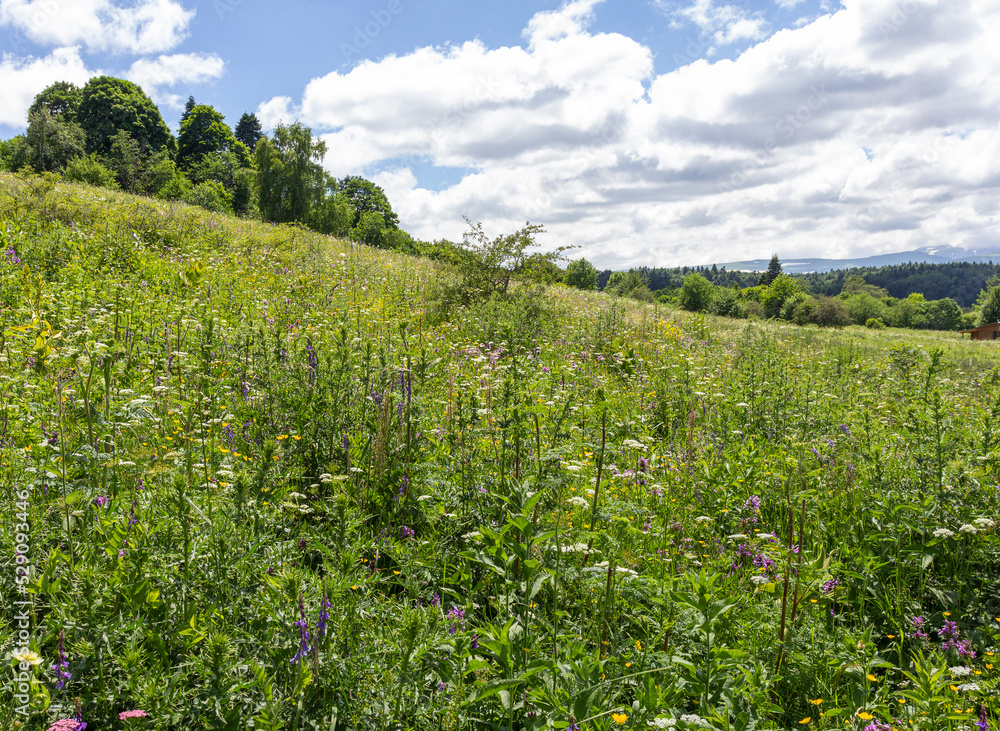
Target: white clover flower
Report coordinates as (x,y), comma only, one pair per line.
(984,523)
(943,533)
(960,671)
(966,528)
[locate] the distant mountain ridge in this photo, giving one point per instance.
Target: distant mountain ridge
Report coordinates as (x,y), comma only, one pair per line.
(924,255)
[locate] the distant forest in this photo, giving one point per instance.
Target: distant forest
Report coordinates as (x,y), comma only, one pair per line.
(961,281)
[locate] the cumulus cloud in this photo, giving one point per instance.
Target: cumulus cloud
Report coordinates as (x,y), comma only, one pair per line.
(156,75)
(725,24)
(140,26)
(872,128)
(22,78)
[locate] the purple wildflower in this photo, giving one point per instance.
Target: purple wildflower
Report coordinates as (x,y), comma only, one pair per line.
(61,668)
(324,616)
(918,628)
(456,619)
(303,625)
(830,585)
(982,724)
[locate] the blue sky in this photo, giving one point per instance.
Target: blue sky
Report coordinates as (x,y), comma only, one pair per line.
(651,132)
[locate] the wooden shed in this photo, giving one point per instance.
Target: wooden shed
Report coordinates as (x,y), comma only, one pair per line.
(984,332)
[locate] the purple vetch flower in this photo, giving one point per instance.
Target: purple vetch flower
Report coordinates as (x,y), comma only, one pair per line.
(830,585)
(61,668)
(303,625)
(475,642)
(982,724)
(324,616)
(406,532)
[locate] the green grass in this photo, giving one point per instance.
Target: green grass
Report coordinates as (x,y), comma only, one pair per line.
(531,513)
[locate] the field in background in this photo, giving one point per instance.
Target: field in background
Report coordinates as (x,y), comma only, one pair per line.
(272,483)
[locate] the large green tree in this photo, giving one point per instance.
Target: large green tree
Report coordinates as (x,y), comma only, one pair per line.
(203,132)
(59,99)
(366,197)
(773,271)
(109,106)
(696,293)
(581,274)
(290,180)
(53,141)
(249,131)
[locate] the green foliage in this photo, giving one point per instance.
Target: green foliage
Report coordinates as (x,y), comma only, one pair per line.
(61,99)
(773,272)
(289,177)
(726,303)
(211,196)
(249,131)
(875,323)
(773,295)
(53,141)
(696,293)
(624,284)
(485,267)
(555,508)
(370,229)
(89,170)
(990,310)
(203,133)
(110,107)
(581,274)
(366,197)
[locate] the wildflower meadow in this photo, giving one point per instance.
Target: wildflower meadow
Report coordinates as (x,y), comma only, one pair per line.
(253,477)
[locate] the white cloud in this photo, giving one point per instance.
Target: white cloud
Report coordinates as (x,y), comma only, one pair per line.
(725,24)
(22,78)
(140,26)
(712,161)
(278,110)
(157,75)
(787,4)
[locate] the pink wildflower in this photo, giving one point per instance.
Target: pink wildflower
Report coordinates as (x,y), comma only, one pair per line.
(132,714)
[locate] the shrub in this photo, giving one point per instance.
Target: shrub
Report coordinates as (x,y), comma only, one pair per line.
(830,313)
(89,170)
(211,196)
(696,293)
(874,323)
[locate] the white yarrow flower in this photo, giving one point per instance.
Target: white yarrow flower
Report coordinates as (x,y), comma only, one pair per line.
(943,533)
(967,528)
(663,722)
(969,687)
(984,523)
(960,671)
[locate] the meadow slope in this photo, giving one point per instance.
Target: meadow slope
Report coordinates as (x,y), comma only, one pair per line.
(254,477)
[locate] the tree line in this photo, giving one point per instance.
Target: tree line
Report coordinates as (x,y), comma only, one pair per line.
(109,133)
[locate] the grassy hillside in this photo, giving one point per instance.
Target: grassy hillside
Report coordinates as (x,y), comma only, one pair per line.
(253,477)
